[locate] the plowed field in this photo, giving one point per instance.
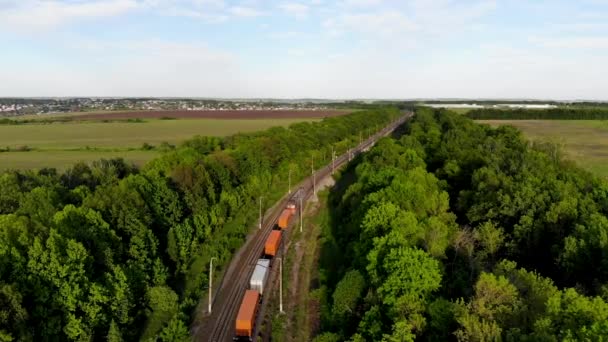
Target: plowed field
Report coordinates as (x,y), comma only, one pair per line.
(212,114)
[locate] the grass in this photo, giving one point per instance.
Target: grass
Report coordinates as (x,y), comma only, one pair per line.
(63,159)
(60,145)
(126,134)
(584,141)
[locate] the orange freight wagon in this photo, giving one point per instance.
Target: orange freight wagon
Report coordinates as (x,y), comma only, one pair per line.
(245,320)
(284,218)
(272,243)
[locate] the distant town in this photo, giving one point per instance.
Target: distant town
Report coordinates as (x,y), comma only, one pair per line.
(26,106)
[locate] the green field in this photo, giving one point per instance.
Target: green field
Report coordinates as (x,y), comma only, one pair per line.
(60,145)
(62,159)
(584,141)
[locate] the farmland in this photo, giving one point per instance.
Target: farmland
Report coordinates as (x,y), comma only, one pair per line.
(185,114)
(60,144)
(584,141)
(213,114)
(61,159)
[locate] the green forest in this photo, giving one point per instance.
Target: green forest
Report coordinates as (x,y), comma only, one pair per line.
(455,231)
(558,113)
(111,252)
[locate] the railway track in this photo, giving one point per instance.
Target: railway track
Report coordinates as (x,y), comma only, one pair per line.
(219,326)
(222,329)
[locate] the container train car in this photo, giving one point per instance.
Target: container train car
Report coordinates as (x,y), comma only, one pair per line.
(260,276)
(245,319)
(284,218)
(271,247)
(247,315)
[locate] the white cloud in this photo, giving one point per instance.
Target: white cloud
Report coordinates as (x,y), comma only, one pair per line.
(383,23)
(441,17)
(295,9)
(285,35)
(361,3)
(215,4)
(586,26)
(407,20)
(39,14)
(148,68)
(575,42)
(242,11)
(202,15)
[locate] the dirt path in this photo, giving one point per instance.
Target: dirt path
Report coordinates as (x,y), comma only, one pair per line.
(304,256)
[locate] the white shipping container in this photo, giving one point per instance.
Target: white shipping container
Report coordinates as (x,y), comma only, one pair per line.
(260,275)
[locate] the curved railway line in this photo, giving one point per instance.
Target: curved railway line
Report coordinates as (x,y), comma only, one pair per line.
(219,326)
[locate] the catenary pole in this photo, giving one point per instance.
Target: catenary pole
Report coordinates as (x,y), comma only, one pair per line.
(210,282)
(333,159)
(312,171)
(281,285)
(260,224)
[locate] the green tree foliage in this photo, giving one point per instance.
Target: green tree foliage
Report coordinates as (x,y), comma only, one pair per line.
(515,304)
(10,194)
(347,296)
(446,224)
(13,316)
(327,337)
(175,331)
(108,251)
(394,227)
(162,305)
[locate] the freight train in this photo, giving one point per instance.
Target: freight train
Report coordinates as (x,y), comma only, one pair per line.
(250,305)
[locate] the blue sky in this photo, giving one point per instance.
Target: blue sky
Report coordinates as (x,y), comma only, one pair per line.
(308,48)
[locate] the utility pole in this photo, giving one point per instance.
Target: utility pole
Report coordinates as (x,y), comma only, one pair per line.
(359,138)
(300,214)
(312,171)
(333,159)
(289,190)
(210,281)
(260,225)
(281,285)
